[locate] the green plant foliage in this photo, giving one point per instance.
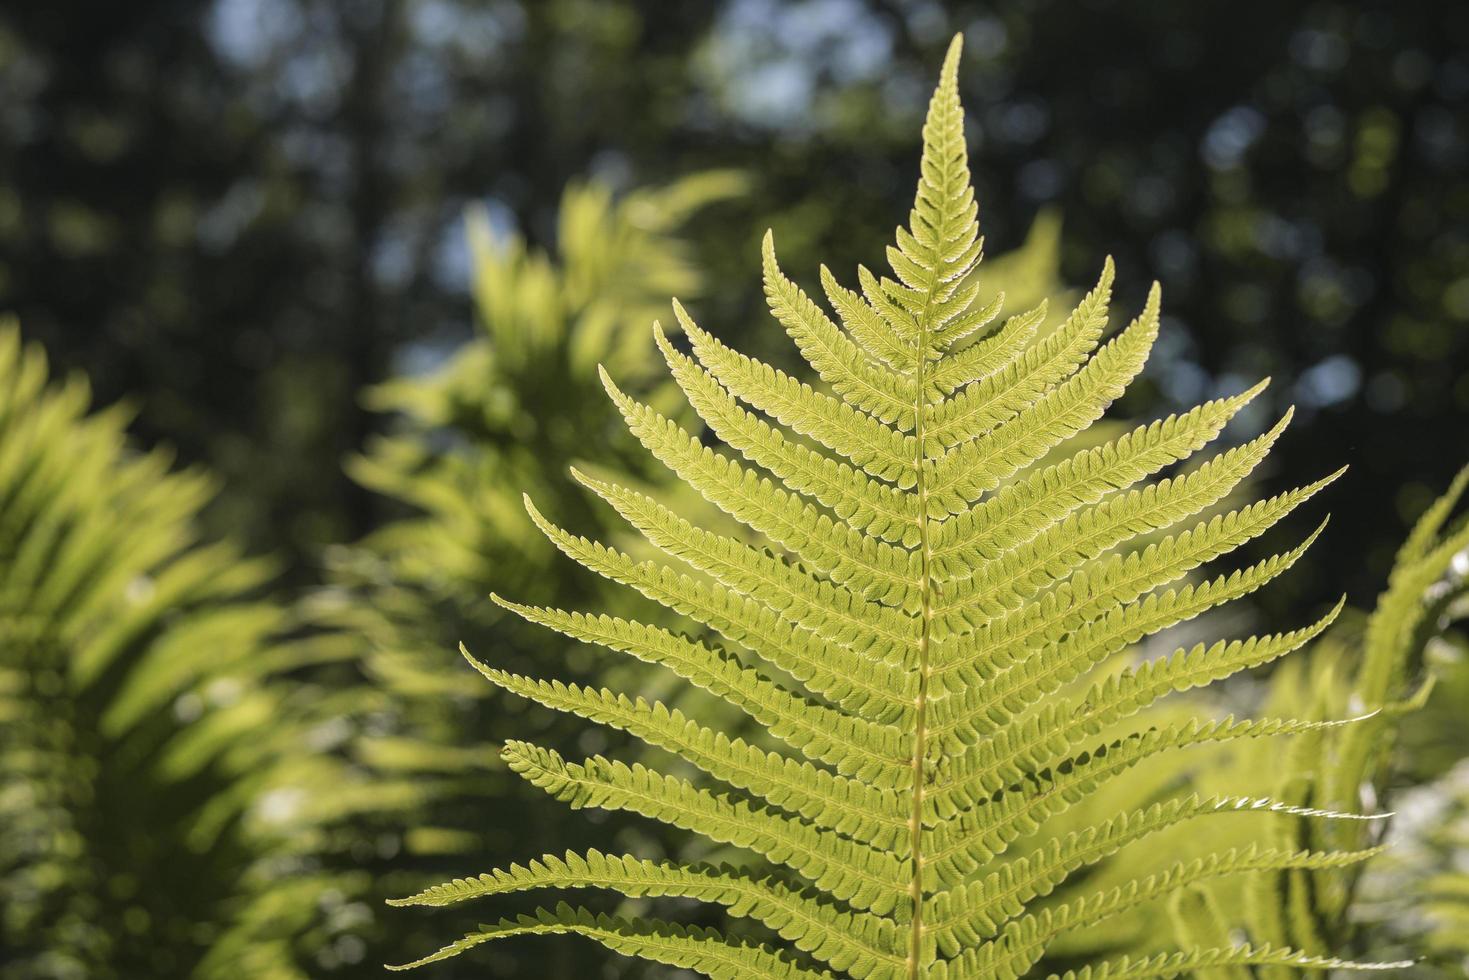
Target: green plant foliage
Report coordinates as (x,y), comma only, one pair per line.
(509,410)
(1340,678)
(1357,766)
(505,412)
(161,803)
(1354,767)
(929,644)
(1418,900)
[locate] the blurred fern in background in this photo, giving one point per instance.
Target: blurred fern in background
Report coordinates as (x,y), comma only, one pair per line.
(1414,655)
(509,411)
(1381,668)
(165,800)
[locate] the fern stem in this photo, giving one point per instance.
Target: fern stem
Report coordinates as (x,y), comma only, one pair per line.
(925,592)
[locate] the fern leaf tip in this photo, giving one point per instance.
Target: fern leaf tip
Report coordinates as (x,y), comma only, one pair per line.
(687,322)
(949,73)
(486,671)
(665,345)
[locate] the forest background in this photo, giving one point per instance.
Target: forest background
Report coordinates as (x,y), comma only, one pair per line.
(243,217)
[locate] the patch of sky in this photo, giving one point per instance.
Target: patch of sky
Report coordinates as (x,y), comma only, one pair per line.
(1281,239)
(1022,121)
(1230,137)
(477,30)
(765,56)
(1175,256)
(451,256)
(927,21)
(248,32)
(986,38)
(423,82)
(1041,180)
(1172,365)
(1320,50)
(451,263)
(316,77)
(392,255)
(1329,382)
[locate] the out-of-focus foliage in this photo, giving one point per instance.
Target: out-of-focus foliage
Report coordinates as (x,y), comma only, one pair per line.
(241,211)
(165,799)
(1417,899)
(1382,669)
(512,408)
(1376,669)
(1373,672)
(505,415)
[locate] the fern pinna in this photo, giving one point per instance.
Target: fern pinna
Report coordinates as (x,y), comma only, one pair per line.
(947,579)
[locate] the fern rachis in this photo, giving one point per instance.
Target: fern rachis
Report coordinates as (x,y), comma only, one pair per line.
(938,582)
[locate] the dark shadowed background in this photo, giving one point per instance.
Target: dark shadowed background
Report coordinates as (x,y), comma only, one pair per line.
(238,213)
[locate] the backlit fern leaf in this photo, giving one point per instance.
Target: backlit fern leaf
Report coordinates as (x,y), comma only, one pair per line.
(1323,910)
(936,582)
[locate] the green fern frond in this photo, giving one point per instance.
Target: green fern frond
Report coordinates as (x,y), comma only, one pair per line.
(1199,923)
(1178,964)
(853,746)
(1316,910)
(932,636)
(850,941)
(158,791)
(693,948)
(1393,634)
